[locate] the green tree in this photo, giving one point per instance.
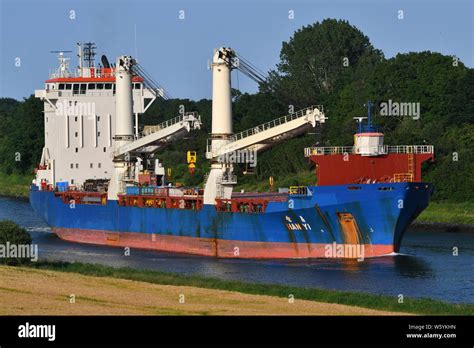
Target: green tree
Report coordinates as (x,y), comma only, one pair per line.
(319,59)
(13,234)
(22,138)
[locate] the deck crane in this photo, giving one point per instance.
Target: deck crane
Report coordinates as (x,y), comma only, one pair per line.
(156,137)
(220,180)
(130,147)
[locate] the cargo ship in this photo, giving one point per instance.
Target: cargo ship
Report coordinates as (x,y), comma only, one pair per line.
(99,180)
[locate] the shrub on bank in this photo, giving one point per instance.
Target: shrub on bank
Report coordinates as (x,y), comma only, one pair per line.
(15,243)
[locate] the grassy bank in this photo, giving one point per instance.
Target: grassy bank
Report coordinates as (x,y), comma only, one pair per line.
(385,303)
(49,293)
(15,185)
(448,212)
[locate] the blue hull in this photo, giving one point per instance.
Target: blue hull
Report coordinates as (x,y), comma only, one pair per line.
(375,215)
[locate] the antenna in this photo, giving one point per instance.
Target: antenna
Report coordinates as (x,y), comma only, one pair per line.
(88,52)
(359,121)
(369,127)
(63,70)
(135,39)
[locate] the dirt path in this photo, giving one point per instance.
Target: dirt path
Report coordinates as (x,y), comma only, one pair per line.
(25,291)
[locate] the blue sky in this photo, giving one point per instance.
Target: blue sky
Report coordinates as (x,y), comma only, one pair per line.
(176,51)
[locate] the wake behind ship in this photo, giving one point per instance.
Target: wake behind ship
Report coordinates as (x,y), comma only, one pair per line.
(99,181)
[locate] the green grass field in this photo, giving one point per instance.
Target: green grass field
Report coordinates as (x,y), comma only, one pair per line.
(388,303)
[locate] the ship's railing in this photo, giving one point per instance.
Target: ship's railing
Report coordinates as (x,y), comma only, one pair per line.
(85,72)
(228,179)
(182,118)
(328,150)
(403,177)
(276,122)
(381,150)
(89,93)
(417,149)
(298,190)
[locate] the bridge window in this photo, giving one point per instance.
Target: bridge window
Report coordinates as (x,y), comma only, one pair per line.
(61,86)
(68,86)
(91,85)
(75,88)
(108,86)
(83,88)
(100,86)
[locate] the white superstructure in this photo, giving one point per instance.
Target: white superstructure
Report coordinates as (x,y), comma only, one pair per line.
(79,122)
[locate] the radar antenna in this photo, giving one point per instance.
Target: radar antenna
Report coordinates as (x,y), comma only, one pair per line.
(63,70)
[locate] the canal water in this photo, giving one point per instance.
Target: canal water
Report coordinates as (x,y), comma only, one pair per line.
(425,267)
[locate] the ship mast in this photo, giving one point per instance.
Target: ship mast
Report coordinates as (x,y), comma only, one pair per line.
(220,179)
(123,123)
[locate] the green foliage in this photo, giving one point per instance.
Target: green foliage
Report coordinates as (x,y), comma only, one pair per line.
(319,59)
(14,234)
(21,135)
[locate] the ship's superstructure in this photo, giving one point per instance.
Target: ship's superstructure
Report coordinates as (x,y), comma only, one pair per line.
(366,196)
(80,113)
(79,120)
(369,161)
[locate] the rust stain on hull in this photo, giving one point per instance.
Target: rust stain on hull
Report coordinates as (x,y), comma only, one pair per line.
(350,229)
